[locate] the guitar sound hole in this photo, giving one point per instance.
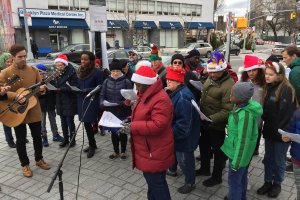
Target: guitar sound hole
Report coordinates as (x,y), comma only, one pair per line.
(22,108)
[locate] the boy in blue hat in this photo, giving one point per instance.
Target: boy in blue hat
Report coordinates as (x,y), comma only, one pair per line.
(47,102)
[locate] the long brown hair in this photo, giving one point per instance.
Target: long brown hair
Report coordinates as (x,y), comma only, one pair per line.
(282,82)
(259,79)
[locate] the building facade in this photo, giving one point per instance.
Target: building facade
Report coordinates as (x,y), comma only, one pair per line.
(168,23)
(7,31)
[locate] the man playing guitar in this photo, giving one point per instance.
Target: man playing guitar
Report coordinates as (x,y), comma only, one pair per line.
(29,76)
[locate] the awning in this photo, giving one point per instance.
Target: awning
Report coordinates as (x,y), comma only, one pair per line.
(198,25)
(144,25)
(57,23)
(118,24)
(170,25)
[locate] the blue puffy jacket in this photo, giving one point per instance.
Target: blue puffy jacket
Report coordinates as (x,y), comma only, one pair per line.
(294,127)
(186,121)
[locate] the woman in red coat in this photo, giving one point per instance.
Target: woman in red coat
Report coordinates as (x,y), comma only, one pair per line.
(151,132)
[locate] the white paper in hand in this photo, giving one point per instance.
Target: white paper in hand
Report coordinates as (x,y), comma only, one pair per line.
(73,88)
(129,94)
(110,120)
(202,116)
(294,137)
(107,103)
(49,86)
(197,84)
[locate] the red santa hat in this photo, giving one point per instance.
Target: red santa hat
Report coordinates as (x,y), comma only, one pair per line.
(252,62)
(62,58)
(175,74)
(144,75)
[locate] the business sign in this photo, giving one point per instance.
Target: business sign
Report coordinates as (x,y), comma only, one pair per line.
(98,18)
(43,13)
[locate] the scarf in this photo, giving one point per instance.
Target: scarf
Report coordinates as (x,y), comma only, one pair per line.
(85,72)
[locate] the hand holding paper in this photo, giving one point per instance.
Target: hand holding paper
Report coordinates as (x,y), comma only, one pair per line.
(129,94)
(73,88)
(202,116)
(293,137)
(110,120)
(197,84)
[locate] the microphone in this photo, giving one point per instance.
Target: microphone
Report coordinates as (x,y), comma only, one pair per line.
(94,91)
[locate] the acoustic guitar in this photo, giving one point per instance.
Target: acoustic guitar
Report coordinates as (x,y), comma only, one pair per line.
(13,113)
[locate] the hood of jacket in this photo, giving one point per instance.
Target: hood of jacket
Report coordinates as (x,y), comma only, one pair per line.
(295,63)
(254,108)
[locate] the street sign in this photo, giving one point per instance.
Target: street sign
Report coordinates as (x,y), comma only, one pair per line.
(28,18)
(98,18)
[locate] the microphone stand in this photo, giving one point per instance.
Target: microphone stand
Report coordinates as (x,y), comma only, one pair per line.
(58,171)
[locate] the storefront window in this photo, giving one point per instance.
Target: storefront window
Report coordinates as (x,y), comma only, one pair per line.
(199,10)
(193,10)
(176,8)
(131,6)
(159,10)
(121,6)
(112,5)
(165,8)
(151,7)
(144,7)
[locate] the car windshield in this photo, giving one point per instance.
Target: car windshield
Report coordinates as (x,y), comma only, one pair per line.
(67,48)
(189,46)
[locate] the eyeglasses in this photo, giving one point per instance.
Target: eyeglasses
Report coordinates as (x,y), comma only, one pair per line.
(177,63)
(132,54)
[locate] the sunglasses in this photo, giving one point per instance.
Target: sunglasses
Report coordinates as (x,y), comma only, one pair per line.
(177,63)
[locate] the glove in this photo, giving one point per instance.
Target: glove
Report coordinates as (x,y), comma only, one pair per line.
(126,127)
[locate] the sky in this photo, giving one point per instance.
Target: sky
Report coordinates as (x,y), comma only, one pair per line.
(237,7)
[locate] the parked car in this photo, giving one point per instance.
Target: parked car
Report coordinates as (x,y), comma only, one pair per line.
(234,49)
(259,42)
(204,48)
(117,54)
(278,48)
(72,51)
(143,51)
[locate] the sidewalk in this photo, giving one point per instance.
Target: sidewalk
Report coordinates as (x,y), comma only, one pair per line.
(103,179)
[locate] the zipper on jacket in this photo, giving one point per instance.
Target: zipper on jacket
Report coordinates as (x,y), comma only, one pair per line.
(148,147)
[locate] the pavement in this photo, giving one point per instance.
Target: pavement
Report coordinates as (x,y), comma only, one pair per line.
(103,179)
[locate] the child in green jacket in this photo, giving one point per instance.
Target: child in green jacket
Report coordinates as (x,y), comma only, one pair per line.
(241,138)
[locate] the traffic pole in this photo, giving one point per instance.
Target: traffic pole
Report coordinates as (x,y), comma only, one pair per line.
(29,52)
(227,55)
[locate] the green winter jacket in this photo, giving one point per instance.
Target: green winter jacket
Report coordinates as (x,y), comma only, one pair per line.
(294,76)
(215,101)
(242,132)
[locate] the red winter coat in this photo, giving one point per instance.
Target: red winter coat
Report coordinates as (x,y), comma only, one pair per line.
(152,142)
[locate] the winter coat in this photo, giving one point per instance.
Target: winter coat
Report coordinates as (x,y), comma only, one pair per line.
(294,76)
(48,101)
(66,99)
(111,92)
(215,101)
(185,125)
(129,74)
(277,115)
(294,127)
(242,132)
(152,141)
(87,85)
(29,76)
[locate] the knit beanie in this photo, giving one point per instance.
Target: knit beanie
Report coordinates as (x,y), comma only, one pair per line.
(175,74)
(178,57)
(41,67)
(193,53)
(243,91)
(154,53)
(115,65)
(3,58)
(62,58)
(144,75)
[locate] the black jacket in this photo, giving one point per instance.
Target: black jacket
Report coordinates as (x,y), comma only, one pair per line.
(277,115)
(47,101)
(66,100)
(111,92)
